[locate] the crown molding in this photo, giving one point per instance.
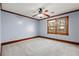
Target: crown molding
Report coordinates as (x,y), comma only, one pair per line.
(19,14)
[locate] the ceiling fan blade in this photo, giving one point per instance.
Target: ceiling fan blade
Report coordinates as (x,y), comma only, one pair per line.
(47,15)
(34,15)
(35,10)
(46,11)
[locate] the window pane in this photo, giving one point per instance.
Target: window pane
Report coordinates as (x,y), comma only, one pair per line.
(52,25)
(58,26)
(61,21)
(61,27)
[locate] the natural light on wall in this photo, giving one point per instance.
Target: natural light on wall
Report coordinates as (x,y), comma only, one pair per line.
(20,22)
(30,29)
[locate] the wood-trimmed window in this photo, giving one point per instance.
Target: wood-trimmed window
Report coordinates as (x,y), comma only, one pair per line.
(58,26)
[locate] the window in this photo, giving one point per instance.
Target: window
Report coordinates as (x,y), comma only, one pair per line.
(58,26)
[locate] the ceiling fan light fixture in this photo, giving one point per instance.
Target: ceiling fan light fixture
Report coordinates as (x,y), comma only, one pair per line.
(40,15)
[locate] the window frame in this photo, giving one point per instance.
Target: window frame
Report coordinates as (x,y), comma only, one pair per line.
(56,26)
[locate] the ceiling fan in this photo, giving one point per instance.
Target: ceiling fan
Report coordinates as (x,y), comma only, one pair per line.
(41,12)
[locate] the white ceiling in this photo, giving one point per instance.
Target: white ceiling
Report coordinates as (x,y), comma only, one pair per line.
(27,9)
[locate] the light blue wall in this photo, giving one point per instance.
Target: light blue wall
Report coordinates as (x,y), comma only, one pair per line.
(73,28)
(0,30)
(0,25)
(12,30)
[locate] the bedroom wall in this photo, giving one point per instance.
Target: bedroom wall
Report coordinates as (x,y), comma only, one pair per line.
(0,30)
(73,28)
(16,27)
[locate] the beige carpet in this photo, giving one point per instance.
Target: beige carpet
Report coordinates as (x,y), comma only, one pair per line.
(40,47)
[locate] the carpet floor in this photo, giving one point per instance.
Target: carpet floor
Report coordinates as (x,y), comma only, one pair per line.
(40,47)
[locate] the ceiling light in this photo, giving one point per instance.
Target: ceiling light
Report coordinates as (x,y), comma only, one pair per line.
(40,15)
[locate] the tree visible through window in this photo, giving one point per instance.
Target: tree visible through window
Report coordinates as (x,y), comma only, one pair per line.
(58,26)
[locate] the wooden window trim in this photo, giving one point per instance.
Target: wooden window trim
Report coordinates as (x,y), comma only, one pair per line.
(61,33)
